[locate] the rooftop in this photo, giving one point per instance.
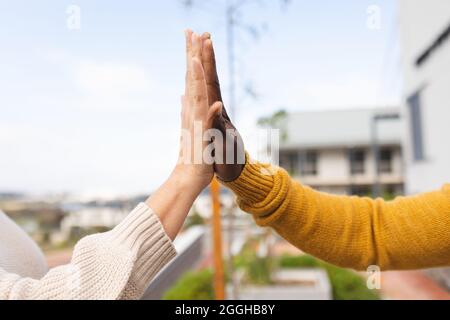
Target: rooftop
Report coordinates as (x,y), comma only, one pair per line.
(339,128)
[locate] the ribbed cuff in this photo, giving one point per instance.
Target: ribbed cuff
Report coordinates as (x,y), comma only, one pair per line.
(253,184)
(142,232)
(261,189)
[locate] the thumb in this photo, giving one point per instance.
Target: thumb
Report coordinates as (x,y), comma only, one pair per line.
(214,111)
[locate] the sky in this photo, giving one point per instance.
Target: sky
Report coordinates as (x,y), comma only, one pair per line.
(95,109)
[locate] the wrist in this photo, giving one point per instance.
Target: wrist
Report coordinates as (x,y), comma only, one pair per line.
(188,182)
(172,201)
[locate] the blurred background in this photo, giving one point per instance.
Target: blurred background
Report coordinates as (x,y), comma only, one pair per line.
(89,105)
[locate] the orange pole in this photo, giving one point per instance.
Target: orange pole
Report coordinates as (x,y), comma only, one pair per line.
(219,276)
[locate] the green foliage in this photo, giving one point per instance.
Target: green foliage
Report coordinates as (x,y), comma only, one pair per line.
(257,270)
(198,285)
(346,284)
(303,261)
(194,285)
(247,253)
(194,220)
(275,121)
(388,196)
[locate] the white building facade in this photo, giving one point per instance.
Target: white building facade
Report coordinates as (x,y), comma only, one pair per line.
(425,43)
(332,151)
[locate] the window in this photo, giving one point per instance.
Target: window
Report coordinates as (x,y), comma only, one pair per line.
(416,126)
(389,192)
(438,42)
(362,191)
(289,161)
(308,163)
(357,161)
(385,161)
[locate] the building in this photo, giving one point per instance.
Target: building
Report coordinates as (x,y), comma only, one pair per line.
(332,151)
(425,46)
(91,218)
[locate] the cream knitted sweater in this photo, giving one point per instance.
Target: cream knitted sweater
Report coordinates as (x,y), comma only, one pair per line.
(118,264)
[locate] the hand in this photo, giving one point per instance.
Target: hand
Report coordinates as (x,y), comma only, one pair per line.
(194,171)
(230,160)
(197,117)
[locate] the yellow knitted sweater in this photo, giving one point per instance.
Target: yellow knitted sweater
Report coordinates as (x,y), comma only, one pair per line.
(406,233)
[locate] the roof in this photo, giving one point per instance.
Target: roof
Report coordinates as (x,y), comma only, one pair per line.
(338,128)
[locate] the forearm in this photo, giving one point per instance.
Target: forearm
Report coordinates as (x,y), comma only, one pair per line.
(357,232)
(173,200)
(118,264)
(411,232)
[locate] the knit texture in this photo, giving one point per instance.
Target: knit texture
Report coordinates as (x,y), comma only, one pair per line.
(118,264)
(18,252)
(406,233)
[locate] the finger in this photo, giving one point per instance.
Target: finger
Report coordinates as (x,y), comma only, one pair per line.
(225,115)
(198,90)
(209,64)
(184,106)
(209,60)
(194,51)
(206,36)
(214,111)
(197,46)
(188,34)
(183,153)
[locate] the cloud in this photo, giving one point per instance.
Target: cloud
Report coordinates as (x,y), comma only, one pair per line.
(105,85)
(108,79)
(106,159)
(78,133)
(352,90)
(113,86)
(348,92)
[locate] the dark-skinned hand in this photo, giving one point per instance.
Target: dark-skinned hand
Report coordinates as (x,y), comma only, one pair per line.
(230,160)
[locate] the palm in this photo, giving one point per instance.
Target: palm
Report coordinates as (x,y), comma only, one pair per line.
(197,116)
(222,121)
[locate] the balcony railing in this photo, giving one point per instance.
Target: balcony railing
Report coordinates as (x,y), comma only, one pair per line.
(189,246)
